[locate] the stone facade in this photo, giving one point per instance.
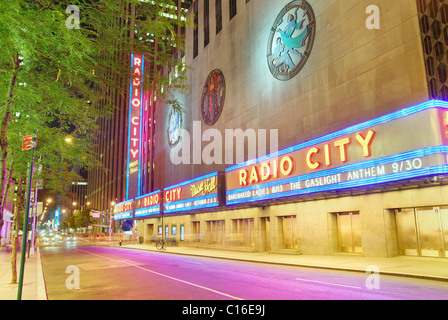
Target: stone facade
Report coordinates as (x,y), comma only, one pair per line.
(353,75)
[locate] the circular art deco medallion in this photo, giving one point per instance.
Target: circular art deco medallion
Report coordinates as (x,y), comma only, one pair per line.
(291,40)
(213,96)
(174,126)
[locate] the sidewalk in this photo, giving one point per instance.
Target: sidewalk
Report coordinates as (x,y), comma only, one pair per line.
(33,280)
(415,267)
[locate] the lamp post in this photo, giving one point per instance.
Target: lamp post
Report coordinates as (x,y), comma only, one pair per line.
(110,220)
(25,222)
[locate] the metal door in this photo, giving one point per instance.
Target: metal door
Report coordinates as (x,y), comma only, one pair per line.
(407,232)
(289,232)
(349,232)
(423,231)
(428,226)
(444,229)
(268,234)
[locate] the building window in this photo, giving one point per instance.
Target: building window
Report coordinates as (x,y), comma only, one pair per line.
(218,14)
(232,8)
(206,23)
(196,31)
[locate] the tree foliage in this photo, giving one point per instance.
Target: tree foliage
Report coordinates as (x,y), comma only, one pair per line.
(77,219)
(55,81)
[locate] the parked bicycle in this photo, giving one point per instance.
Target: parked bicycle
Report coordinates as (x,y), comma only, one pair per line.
(161,244)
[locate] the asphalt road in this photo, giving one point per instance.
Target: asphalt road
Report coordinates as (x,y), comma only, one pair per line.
(103,273)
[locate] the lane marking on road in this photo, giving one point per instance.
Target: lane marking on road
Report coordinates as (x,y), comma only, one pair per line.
(166,276)
(329,283)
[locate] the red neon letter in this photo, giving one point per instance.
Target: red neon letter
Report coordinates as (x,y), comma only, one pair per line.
(134,121)
(265,171)
(167,196)
(136,102)
(253,175)
(342,149)
(311,164)
(365,143)
(137,62)
(286,160)
(327,155)
(243,177)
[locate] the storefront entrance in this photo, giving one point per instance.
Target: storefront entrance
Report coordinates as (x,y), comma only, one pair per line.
(196,231)
(423,231)
(215,232)
(265,232)
(243,232)
(149,236)
(288,226)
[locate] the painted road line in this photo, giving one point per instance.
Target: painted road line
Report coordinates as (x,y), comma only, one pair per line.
(329,283)
(166,276)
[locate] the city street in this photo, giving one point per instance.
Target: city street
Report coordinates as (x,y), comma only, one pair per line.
(116,273)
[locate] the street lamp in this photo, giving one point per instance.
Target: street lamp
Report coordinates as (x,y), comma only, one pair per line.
(110,220)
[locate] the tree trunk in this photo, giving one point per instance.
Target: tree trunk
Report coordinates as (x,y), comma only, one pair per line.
(5,194)
(3,138)
(16,235)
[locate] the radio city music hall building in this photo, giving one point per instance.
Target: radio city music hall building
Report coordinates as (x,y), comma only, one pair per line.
(356,100)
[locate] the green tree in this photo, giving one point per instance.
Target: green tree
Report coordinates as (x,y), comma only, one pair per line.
(83,218)
(46,86)
(54,81)
(68,222)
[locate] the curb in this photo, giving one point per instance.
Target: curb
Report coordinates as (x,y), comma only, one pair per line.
(41,285)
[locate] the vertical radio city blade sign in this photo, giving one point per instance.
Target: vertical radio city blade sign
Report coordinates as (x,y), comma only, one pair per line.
(134,162)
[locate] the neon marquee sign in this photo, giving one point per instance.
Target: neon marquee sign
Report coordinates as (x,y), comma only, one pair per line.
(134,163)
(124,210)
(402,145)
(148,204)
(315,157)
(200,193)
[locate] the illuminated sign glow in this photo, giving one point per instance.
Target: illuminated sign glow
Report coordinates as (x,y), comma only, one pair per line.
(284,166)
(148,204)
(399,146)
(124,210)
(134,161)
(194,194)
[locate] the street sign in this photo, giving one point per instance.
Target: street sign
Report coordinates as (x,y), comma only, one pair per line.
(95,214)
(27,143)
